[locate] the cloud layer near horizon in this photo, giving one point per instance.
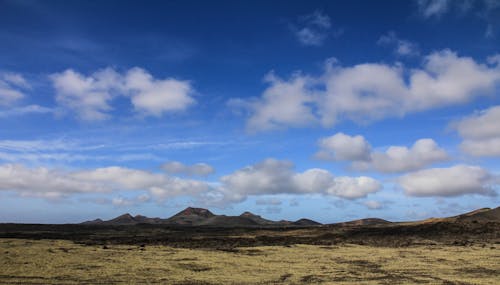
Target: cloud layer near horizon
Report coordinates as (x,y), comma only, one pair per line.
(270,176)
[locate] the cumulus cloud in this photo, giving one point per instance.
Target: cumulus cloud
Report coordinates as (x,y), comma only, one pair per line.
(176,167)
(401,47)
(12,88)
(344,147)
(268,177)
(291,98)
(370,91)
(155,97)
(90,96)
(273,176)
(446,182)
(401,158)
(358,151)
(480,132)
(56,183)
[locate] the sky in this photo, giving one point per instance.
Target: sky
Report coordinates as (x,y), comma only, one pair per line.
(329,110)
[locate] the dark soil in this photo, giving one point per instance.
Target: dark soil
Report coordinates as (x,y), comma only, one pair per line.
(458,233)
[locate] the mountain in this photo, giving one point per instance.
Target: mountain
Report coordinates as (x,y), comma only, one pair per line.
(190,216)
(258,219)
(93,222)
(202,217)
(125,219)
(480,215)
(366,222)
(305,222)
(229,221)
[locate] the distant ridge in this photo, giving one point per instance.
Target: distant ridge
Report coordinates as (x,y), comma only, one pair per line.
(305,222)
(192,216)
(203,217)
(366,222)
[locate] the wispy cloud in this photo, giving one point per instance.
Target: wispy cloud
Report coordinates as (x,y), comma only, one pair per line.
(12,88)
(25,110)
(314,29)
(486,10)
(401,47)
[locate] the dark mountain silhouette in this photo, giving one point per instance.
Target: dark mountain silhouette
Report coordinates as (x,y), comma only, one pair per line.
(126,219)
(484,214)
(93,222)
(257,219)
(305,222)
(480,215)
(189,216)
(366,222)
(202,217)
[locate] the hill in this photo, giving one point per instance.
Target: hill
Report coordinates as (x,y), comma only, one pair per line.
(202,217)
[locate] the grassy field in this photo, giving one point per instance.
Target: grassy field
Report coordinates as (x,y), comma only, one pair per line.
(64,262)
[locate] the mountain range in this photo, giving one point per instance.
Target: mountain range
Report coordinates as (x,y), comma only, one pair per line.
(202,217)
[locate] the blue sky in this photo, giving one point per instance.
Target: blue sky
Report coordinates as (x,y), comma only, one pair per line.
(320,109)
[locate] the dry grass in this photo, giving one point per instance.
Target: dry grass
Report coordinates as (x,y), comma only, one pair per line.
(63,262)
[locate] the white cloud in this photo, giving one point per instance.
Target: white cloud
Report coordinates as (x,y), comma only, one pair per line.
(344,147)
(176,167)
(44,182)
(312,29)
(370,91)
(289,97)
(25,110)
(268,201)
(354,187)
(401,47)
(155,97)
(358,151)
(481,125)
(445,182)
(438,8)
(273,176)
(52,183)
(484,10)
(125,202)
(12,88)
(400,158)
(433,8)
(480,132)
(268,177)
(373,205)
(90,96)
